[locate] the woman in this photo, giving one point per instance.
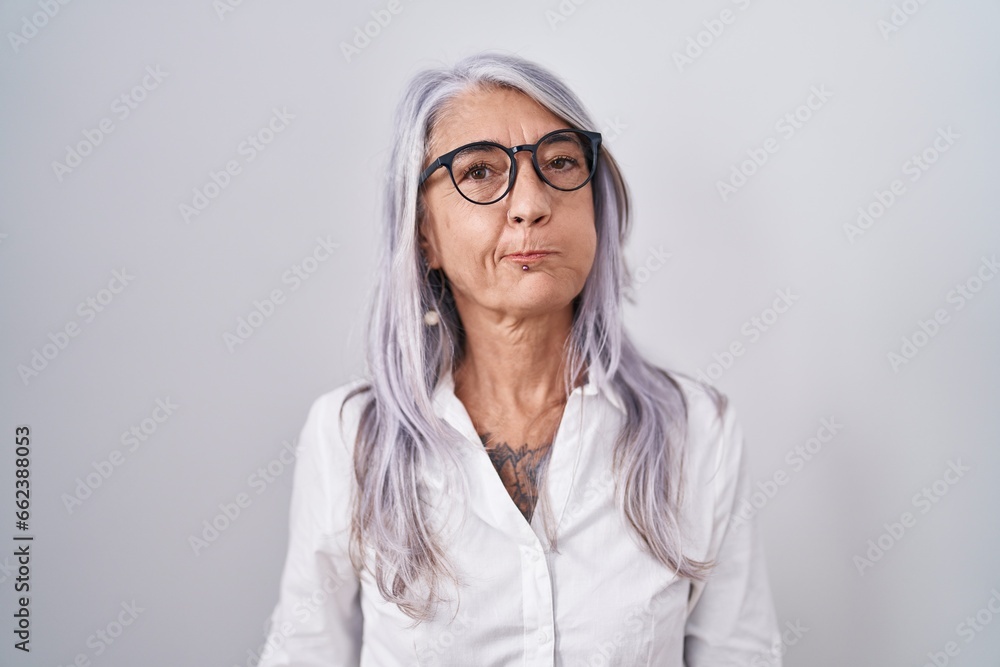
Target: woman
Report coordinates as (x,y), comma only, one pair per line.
(515,485)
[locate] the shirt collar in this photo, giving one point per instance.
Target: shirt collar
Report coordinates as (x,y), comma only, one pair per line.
(444,396)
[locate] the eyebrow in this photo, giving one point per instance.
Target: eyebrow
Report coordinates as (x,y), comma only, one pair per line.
(488,139)
(565,139)
(494,140)
(478,149)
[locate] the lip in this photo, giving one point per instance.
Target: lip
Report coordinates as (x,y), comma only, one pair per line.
(533,256)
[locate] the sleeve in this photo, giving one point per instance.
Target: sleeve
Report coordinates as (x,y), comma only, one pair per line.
(317,620)
(733,620)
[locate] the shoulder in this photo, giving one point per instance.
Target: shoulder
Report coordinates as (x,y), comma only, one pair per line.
(707,406)
(335,415)
(714,465)
(323,485)
(714,438)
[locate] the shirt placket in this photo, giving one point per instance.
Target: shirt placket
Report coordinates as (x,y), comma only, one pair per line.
(539,616)
(536,580)
(539,621)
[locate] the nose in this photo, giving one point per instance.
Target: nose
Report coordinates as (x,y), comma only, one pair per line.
(530,198)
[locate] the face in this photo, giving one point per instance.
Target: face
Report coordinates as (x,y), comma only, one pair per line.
(471,243)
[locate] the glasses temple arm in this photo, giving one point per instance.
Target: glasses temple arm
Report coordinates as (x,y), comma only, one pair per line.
(434,166)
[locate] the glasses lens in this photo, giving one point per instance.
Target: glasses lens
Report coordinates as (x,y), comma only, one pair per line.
(566,160)
(481,172)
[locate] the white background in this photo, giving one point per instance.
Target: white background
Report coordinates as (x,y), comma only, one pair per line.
(677,131)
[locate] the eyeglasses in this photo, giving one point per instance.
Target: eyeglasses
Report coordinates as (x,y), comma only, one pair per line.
(484,172)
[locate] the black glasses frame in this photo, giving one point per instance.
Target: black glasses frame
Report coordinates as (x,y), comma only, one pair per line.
(446,161)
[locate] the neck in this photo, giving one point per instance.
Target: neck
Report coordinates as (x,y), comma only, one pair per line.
(514,364)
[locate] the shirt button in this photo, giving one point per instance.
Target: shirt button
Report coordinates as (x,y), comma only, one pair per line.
(531,554)
(542,636)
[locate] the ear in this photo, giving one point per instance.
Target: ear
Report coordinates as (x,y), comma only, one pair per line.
(425,237)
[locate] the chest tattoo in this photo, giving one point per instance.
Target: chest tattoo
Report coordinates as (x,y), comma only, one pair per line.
(520,470)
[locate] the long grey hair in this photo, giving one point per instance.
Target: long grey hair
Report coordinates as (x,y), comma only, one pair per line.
(399,434)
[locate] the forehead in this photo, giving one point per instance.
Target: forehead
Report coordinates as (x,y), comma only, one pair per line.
(506,116)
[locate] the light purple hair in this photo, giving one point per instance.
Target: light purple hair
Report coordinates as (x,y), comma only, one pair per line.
(399,434)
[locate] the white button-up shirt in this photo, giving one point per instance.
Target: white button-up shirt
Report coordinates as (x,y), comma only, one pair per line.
(598,600)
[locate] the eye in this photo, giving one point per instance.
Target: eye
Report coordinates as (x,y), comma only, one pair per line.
(479,164)
(477,172)
(561,163)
